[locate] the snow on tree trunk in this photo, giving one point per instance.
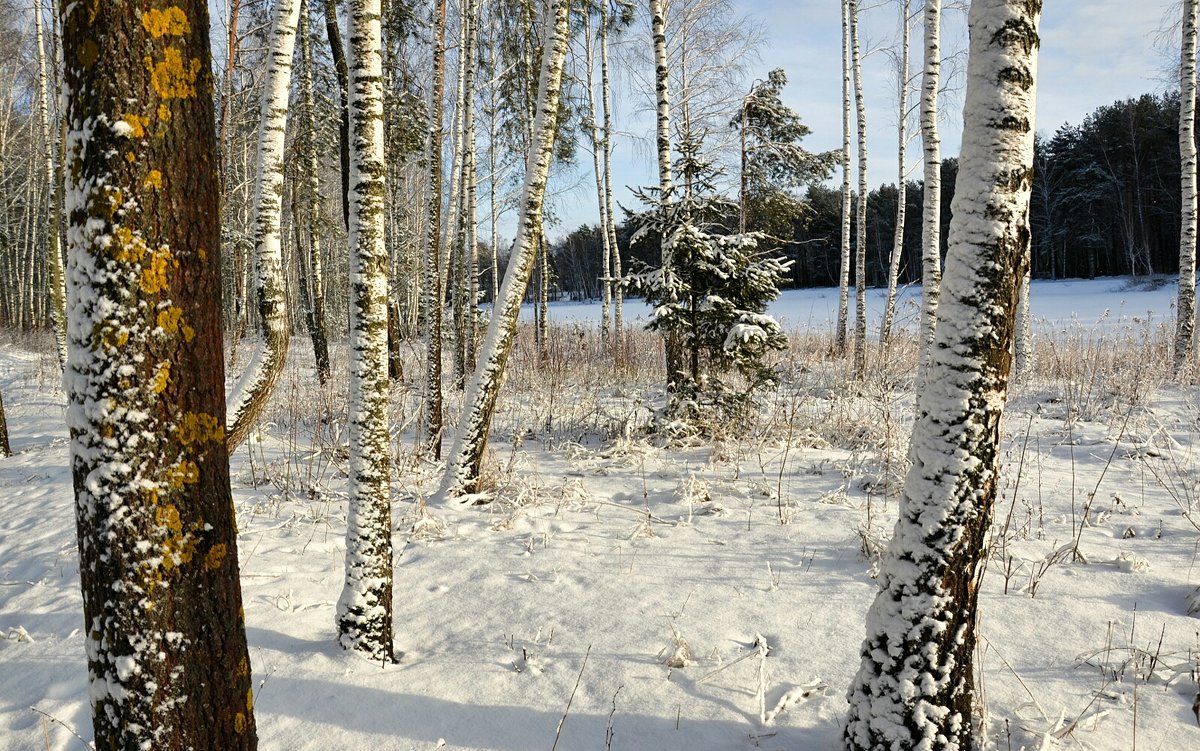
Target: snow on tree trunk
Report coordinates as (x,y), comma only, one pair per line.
(364,611)
(914,687)
(1023,346)
(466,457)
(931,210)
(860,251)
(316,275)
(54,264)
(843,321)
(889,309)
(163,629)
(249,396)
(431,266)
(1186,309)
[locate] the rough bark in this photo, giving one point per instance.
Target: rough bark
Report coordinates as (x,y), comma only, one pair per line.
(315,281)
(914,687)
(338,53)
(431,266)
(249,396)
(5,447)
(466,458)
(364,610)
(843,320)
(165,641)
(889,307)
(931,210)
(1185,332)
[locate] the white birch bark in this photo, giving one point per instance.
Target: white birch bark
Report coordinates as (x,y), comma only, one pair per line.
(364,610)
(610,224)
(597,143)
(889,308)
(860,252)
(931,210)
(671,346)
(250,394)
(914,687)
(463,470)
(54,263)
(1185,331)
(431,265)
(843,320)
(471,188)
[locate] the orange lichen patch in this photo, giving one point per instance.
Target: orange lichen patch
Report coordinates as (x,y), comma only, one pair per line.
(168,516)
(216,556)
(154,180)
(239,723)
(129,157)
(184,473)
(137,125)
(169,319)
(196,428)
(173,78)
(153,278)
(249,700)
(162,378)
(113,199)
(127,246)
(164,113)
(189,333)
(171,21)
(243,668)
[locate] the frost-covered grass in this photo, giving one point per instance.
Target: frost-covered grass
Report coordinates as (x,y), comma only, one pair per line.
(667,566)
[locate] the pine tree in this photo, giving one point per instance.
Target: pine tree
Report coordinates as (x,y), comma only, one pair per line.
(166,646)
(914,687)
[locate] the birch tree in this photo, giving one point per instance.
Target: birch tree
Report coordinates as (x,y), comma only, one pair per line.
(253,389)
(54,264)
(914,687)
(889,306)
(431,267)
(671,345)
(1185,332)
(466,457)
(931,210)
(364,611)
(843,320)
(623,18)
(860,256)
(315,274)
(165,640)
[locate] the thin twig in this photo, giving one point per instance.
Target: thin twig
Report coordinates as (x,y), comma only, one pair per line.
(558,730)
(69,729)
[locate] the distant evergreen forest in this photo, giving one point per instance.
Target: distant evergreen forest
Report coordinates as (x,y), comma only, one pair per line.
(1106,201)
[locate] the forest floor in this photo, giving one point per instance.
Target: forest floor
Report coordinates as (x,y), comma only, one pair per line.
(618,590)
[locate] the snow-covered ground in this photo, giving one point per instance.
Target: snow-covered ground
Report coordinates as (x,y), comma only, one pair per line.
(630,580)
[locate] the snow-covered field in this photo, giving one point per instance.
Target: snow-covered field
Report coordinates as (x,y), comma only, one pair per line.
(613,594)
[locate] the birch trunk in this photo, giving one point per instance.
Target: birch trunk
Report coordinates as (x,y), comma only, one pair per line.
(610,224)
(860,252)
(364,611)
(672,347)
(163,629)
(5,448)
(316,275)
(253,389)
(54,264)
(466,458)
(431,267)
(889,308)
(452,254)
(1185,332)
(338,53)
(915,683)
(931,220)
(597,143)
(843,321)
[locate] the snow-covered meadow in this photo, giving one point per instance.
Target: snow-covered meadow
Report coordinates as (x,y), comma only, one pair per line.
(625,593)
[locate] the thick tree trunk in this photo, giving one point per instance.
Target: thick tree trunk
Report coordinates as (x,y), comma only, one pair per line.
(889,309)
(931,219)
(431,266)
(1185,332)
(253,389)
(166,646)
(315,282)
(843,320)
(914,687)
(860,252)
(364,611)
(466,458)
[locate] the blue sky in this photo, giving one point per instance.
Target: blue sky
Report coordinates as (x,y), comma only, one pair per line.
(1093,52)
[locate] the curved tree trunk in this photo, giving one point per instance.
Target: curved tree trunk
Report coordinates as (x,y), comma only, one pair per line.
(860,252)
(843,320)
(364,611)
(166,646)
(1185,332)
(249,397)
(915,687)
(889,309)
(466,458)
(931,219)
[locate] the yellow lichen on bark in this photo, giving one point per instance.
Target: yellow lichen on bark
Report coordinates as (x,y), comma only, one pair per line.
(216,556)
(153,278)
(164,113)
(173,77)
(184,473)
(162,378)
(137,123)
(127,246)
(154,180)
(239,723)
(197,428)
(171,21)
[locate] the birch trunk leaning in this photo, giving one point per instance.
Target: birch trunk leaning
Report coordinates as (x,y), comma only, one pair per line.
(431,267)
(249,396)
(915,684)
(466,457)
(1185,331)
(889,308)
(54,264)
(364,610)
(860,251)
(843,320)
(931,210)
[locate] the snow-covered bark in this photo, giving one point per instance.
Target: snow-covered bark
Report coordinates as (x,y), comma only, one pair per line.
(315,282)
(1185,332)
(889,308)
(54,265)
(914,687)
(860,251)
(364,611)
(163,629)
(250,394)
(5,448)
(843,319)
(466,457)
(931,209)
(1023,346)
(671,346)
(431,265)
